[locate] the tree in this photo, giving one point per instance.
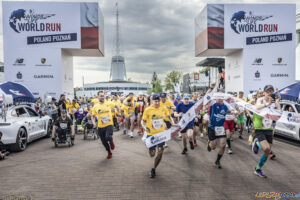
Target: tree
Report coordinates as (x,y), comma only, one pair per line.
(154,79)
(157,88)
(171,79)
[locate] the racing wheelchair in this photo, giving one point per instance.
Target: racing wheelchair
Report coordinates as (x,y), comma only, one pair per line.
(63,136)
(88,129)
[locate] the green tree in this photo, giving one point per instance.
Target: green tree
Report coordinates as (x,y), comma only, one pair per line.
(154,79)
(157,87)
(172,78)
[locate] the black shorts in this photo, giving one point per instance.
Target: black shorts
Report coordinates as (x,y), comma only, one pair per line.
(191,126)
(264,135)
(106,132)
(168,124)
(212,136)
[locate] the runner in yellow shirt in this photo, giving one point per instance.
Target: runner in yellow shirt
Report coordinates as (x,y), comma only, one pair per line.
(103,113)
(129,113)
(73,108)
(153,123)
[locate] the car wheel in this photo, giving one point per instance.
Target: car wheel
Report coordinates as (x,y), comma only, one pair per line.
(21,142)
(49,129)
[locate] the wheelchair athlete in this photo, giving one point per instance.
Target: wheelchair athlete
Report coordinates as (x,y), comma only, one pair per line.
(79,115)
(62,127)
(87,123)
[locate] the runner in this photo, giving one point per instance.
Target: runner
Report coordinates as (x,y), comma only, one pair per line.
(129,113)
(263,128)
(105,123)
(141,105)
(229,124)
(187,132)
(169,107)
(153,123)
(216,131)
(241,119)
(197,121)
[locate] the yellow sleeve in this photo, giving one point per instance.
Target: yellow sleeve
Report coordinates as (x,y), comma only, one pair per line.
(145,115)
(94,111)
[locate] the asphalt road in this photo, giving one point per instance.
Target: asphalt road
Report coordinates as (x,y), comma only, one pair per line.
(83,172)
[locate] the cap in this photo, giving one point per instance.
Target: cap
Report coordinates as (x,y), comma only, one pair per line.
(186,96)
(155,96)
(267,87)
(163,95)
(81,111)
(63,111)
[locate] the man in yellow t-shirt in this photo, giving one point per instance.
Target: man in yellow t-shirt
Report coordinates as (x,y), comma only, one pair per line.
(129,113)
(103,113)
(114,110)
(153,123)
(73,108)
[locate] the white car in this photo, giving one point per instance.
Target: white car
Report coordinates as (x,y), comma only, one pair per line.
(289,124)
(23,125)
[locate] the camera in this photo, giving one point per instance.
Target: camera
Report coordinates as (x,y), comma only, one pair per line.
(273,96)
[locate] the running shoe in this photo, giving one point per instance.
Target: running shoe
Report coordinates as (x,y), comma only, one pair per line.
(255,148)
(201,135)
(192,145)
(184,151)
(231,139)
(241,137)
(124,132)
(130,134)
(208,147)
(272,156)
(152,173)
(195,143)
(259,173)
(112,145)
(140,131)
(226,145)
(165,146)
(218,164)
(229,151)
(109,155)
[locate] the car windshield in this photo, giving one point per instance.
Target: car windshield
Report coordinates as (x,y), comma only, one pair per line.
(297,107)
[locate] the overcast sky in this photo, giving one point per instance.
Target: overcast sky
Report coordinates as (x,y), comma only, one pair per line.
(157,35)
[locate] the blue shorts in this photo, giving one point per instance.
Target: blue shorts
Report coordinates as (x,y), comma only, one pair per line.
(160,145)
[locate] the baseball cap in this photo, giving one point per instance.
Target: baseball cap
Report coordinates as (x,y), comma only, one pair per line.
(186,96)
(81,111)
(267,87)
(163,95)
(155,96)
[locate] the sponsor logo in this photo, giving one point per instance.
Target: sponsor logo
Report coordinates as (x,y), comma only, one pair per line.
(258,61)
(21,20)
(43,60)
(43,76)
(293,118)
(257,74)
(19,75)
(242,22)
(16,92)
(285,91)
(43,63)
(279,75)
(157,140)
(280,62)
(19,62)
(289,126)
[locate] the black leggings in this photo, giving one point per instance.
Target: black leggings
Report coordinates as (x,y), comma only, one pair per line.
(105,135)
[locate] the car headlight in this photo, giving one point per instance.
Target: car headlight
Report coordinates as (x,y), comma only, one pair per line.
(5,124)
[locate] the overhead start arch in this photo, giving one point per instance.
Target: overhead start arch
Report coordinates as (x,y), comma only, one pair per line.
(41,38)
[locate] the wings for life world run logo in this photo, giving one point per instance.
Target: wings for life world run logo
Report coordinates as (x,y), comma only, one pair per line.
(27,20)
(242,22)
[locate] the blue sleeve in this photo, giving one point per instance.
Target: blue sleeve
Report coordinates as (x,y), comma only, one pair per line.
(210,111)
(178,110)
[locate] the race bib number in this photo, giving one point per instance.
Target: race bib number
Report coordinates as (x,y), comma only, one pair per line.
(229,117)
(63,125)
(157,123)
(141,104)
(267,123)
(219,130)
(105,119)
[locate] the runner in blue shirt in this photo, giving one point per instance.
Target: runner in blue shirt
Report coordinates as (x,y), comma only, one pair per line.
(187,132)
(216,130)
